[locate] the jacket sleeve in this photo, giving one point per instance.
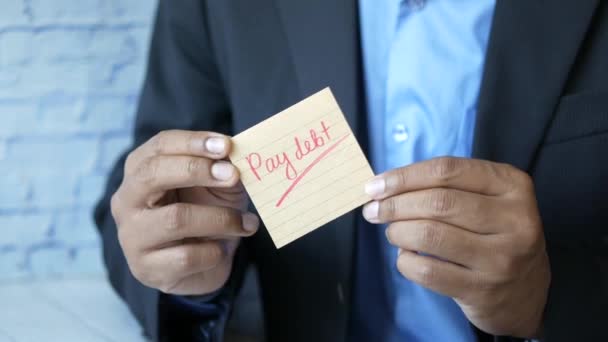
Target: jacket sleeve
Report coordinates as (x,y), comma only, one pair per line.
(182,90)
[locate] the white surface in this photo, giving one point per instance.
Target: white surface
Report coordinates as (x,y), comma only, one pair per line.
(79,310)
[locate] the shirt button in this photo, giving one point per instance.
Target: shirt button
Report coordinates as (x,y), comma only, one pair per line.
(400,133)
(415,5)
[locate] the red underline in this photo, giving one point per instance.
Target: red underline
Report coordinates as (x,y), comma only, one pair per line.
(308,168)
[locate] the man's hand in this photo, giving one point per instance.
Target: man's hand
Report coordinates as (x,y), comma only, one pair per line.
(471,230)
(180,212)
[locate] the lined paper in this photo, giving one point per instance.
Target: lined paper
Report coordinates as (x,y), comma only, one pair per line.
(302,167)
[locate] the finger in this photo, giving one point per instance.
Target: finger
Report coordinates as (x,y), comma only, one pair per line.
(473,212)
(446,278)
(444,241)
(175,222)
(161,173)
(202,283)
(177,142)
(181,260)
(478,176)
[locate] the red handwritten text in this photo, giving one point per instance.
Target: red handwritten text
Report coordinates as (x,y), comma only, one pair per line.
(303,147)
(312,144)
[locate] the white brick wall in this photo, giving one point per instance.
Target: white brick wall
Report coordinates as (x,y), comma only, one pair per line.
(70,73)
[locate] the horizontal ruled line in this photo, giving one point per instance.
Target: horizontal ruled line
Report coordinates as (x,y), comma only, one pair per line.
(310,226)
(281,225)
(308,168)
(363,167)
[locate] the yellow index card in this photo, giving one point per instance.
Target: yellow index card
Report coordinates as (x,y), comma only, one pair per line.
(302,167)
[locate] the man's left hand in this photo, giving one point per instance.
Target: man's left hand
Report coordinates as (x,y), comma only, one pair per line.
(469,229)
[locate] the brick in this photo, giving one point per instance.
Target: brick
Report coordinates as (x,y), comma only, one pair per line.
(47,260)
(108,114)
(9,77)
(62,45)
(111,148)
(134,9)
(90,188)
(38,78)
(12,264)
(2,149)
(52,188)
(20,230)
(85,260)
(15,188)
(122,77)
(110,76)
(60,112)
(141,35)
(13,12)
(44,10)
(37,154)
(115,46)
(15,48)
(90,44)
(18,117)
(75,228)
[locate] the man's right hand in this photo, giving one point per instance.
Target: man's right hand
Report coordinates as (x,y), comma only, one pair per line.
(181,211)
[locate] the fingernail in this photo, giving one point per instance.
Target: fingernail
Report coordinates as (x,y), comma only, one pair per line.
(215,145)
(370,211)
(222,170)
(250,222)
(375,187)
(388,237)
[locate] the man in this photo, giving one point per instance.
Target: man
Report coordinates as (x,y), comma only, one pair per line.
(507,241)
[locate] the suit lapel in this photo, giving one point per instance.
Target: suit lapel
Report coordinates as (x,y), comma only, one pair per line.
(532,48)
(323,38)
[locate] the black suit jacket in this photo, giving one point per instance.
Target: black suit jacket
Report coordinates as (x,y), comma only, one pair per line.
(226,65)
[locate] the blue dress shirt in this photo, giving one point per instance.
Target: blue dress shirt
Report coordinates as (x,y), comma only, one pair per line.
(423,64)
